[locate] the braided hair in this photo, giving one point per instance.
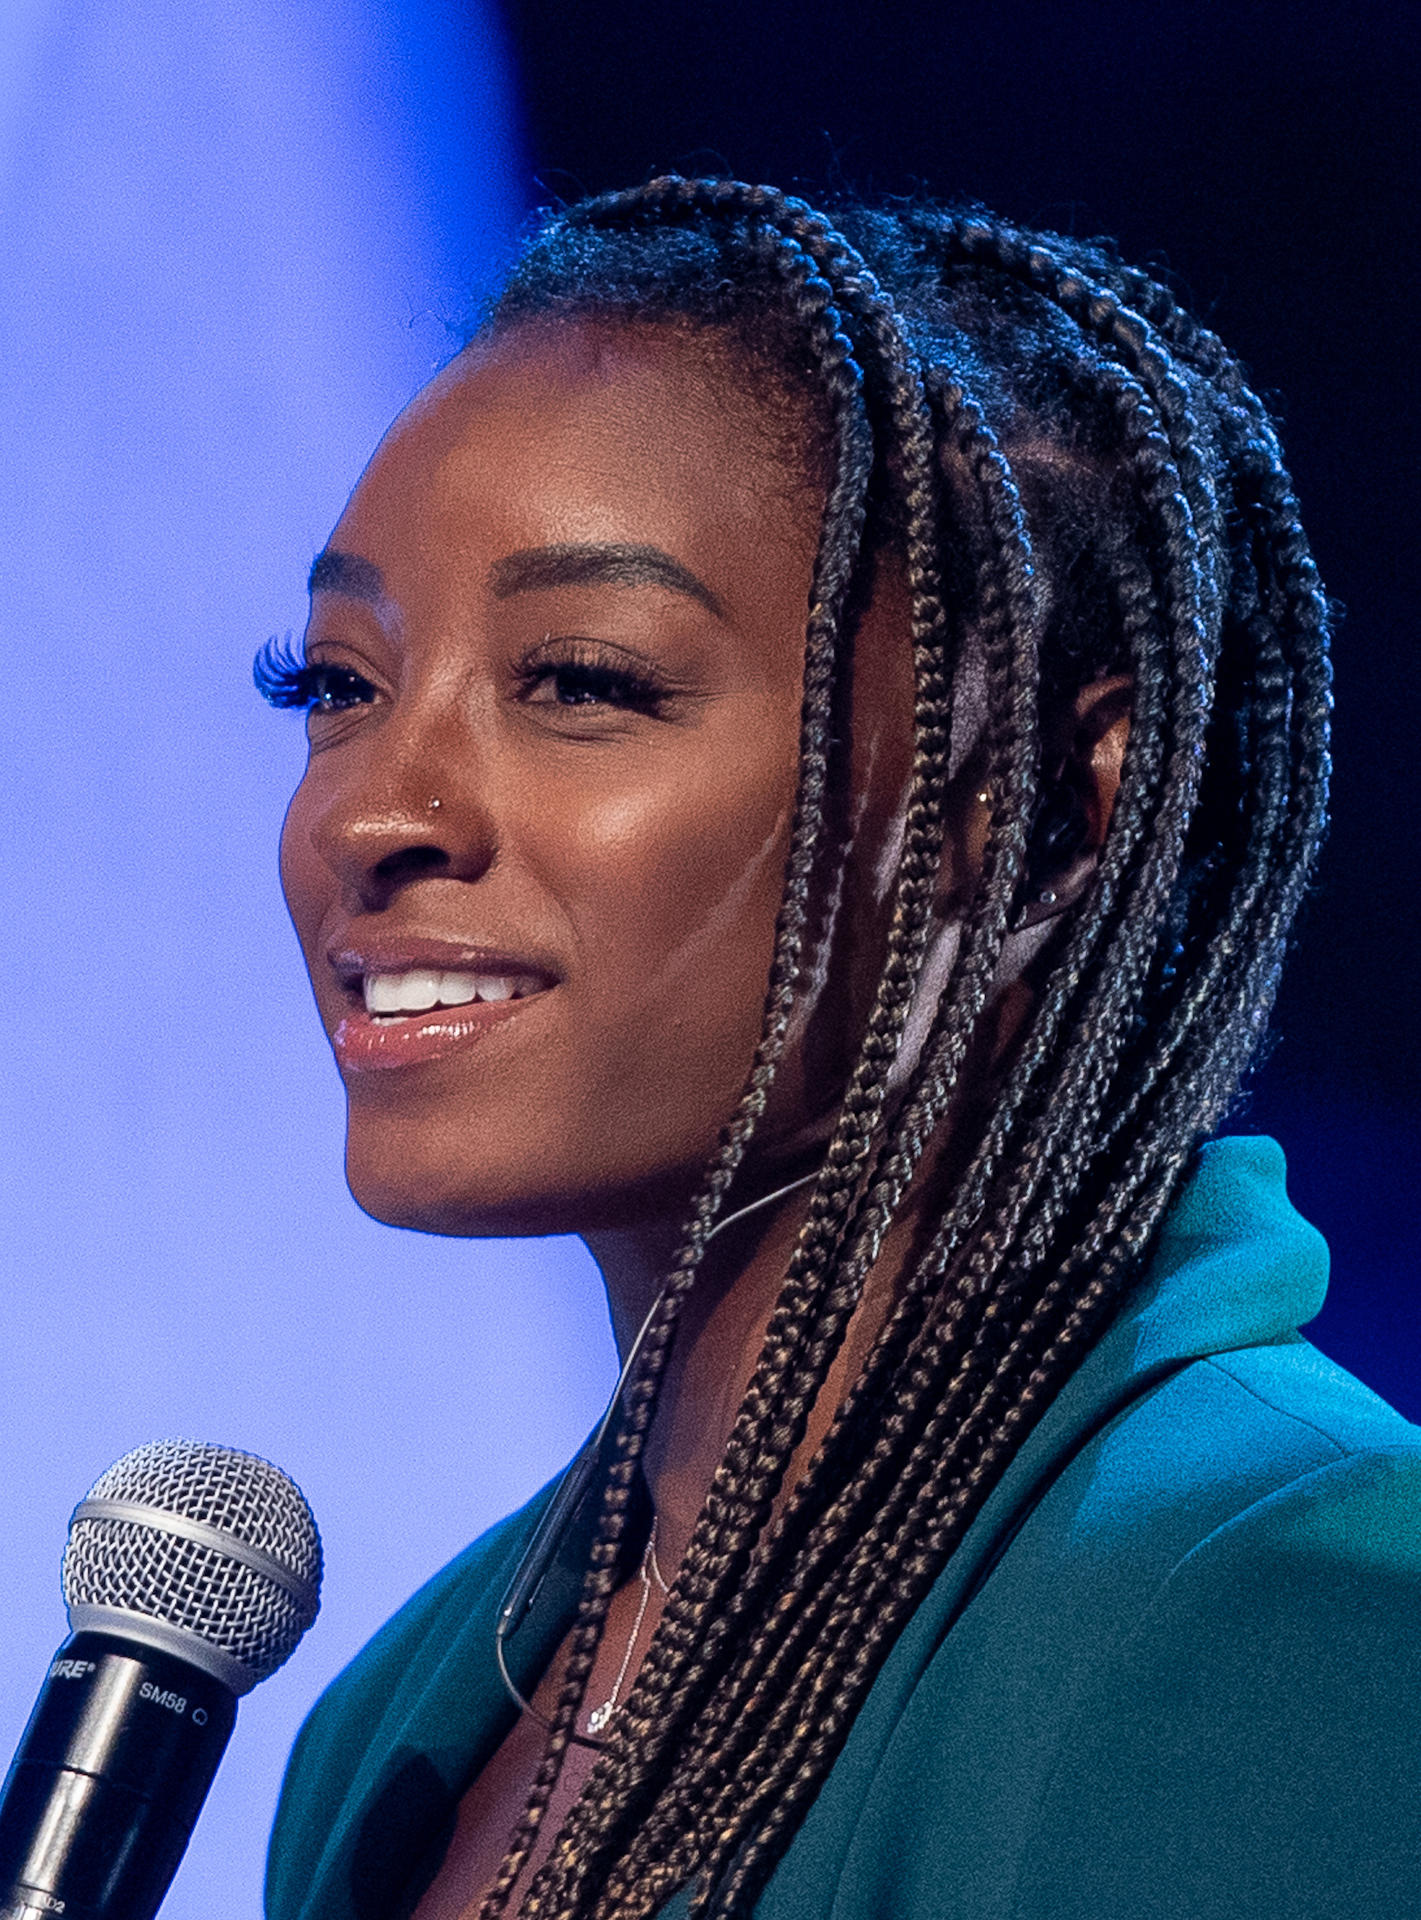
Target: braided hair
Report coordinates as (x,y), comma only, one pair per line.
(1078,481)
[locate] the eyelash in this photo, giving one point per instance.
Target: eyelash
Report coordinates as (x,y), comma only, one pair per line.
(582,675)
(284,679)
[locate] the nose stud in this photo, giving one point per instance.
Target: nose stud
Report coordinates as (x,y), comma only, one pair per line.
(434,806)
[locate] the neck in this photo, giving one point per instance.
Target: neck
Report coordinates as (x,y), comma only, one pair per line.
(722,1323)
(718,1339)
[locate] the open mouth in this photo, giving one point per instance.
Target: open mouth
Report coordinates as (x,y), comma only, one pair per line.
(404,1016)
(392,997)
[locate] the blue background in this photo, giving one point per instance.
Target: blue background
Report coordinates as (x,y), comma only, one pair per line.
(236,238)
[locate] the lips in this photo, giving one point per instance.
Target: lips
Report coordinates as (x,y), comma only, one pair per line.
(418,999)
(421,989)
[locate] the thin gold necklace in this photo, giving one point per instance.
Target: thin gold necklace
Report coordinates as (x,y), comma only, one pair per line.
(599,1716)
(547,1536)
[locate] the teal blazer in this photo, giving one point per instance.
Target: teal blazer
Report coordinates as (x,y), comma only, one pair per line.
(1172,1673)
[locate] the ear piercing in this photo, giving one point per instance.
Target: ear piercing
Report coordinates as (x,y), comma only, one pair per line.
(434,806)
(1021,917)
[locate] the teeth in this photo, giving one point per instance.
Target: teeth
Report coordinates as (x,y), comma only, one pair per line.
(421,989)
(413,992)
(457,989)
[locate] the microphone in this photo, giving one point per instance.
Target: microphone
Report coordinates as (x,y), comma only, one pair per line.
(191,1573)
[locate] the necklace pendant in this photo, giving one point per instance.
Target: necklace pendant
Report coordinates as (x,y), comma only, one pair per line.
(599,1716)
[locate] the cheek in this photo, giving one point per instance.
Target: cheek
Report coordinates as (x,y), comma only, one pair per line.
(670,895)
(678,883)
(305,880)
(677,936)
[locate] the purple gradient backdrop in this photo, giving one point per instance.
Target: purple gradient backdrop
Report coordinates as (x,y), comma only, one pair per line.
(232,234)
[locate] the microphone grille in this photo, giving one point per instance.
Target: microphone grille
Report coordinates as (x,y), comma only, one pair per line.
(204,1541)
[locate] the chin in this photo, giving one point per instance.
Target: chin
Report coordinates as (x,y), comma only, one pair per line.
(428,1194)
(458,1208)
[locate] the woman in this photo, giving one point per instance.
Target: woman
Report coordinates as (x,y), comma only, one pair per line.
(973,1533)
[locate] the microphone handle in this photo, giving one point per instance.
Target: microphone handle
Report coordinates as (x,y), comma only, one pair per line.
(101,1797)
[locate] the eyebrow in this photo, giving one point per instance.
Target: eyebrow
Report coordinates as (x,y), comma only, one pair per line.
(335,572)
(597,565)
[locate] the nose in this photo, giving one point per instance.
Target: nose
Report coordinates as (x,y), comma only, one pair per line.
(398,819)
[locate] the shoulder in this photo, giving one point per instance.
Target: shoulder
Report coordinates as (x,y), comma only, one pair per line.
(1188,1662)
(1251,1736)
(1317,1502)
(396,1658)
(1241,1438)
(407,1697)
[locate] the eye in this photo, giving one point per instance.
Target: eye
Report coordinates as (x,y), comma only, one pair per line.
(285,680)
(588,675)
(331,689)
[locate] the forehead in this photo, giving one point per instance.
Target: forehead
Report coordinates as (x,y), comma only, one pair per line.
(573,431)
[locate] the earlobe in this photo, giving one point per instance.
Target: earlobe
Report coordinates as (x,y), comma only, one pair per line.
(1060,856)
(1062,829)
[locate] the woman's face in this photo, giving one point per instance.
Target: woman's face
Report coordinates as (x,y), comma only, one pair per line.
(537,854)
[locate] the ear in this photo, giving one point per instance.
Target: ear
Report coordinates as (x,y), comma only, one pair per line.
(1083,752)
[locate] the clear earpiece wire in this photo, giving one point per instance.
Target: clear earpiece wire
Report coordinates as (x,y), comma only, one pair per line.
(541,1551)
